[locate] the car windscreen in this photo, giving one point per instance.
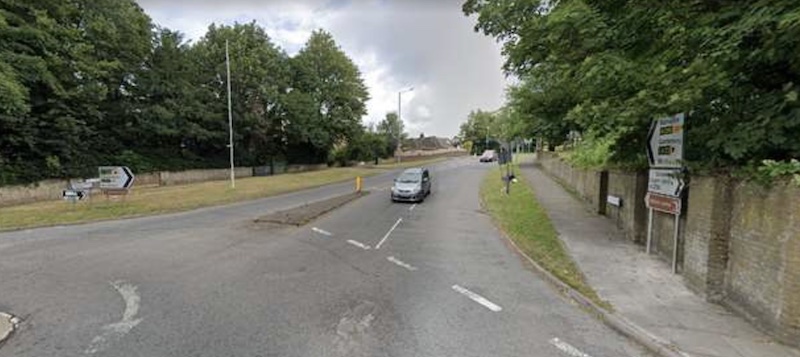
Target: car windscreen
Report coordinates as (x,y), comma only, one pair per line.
(409,177)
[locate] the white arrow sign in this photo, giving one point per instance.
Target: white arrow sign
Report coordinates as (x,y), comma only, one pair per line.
(665,182)
(115,177)
(665,142)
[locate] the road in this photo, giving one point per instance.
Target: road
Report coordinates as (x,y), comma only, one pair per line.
(372,278)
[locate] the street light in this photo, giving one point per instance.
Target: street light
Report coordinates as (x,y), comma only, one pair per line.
(230,115)
(400,119)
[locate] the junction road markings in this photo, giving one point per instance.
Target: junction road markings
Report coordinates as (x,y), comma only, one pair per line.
(321,231)
(117,330)
(401,263)
(477,298)
(567,348)
(358,244)
(385,237)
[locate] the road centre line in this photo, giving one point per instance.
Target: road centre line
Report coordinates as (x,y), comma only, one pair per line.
(477,298)
(567,348)
(385,237)
(401,263)
(358,244)
(321,231)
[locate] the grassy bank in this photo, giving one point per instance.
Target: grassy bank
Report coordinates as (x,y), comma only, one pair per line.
(155,200)
(521,217)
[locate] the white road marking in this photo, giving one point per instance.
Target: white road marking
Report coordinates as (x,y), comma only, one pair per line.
(117,330)
(567,348)
(401,263)
(385,237)
(358,244)
(477,298)
(412,207)
(321,231)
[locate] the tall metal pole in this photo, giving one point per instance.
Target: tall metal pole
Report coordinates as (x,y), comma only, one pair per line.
(399,120)
(230,113)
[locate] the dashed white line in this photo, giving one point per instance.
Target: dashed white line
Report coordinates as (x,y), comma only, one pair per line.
(358,244)
(567,348)
(321,231)
(401,263)
(412,207)
(117,330)
(385,237)
(477,298)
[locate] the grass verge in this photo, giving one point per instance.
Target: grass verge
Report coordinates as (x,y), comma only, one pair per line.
(523,220)
(167,199)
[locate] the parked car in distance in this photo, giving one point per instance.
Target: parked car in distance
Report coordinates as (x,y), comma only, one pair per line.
(488,156)
(413,185)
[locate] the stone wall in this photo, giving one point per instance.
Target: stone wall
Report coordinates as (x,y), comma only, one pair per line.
(586,183)
(169,178)
(763,278)
(43,190)
(631,216)
(738,242)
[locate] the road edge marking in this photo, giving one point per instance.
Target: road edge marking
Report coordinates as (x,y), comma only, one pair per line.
(386,236)
(477,298)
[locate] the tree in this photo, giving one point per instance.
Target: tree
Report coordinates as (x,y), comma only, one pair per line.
(260,78)
(607,68)
(66,64)
(393,131)
(331,84)
(478,130)
(89,83)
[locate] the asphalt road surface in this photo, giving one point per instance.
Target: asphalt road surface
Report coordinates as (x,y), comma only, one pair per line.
(372,278)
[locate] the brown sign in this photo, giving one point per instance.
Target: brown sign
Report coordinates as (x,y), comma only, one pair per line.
(661,203)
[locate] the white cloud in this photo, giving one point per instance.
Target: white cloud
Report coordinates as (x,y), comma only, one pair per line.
(429,45)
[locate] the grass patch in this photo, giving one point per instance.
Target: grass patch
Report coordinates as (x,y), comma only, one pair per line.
(167,199)
(521,217)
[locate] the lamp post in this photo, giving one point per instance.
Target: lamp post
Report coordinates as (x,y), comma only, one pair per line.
(230,115)
(400,119)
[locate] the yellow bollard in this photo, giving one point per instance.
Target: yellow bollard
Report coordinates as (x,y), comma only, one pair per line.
(358,184)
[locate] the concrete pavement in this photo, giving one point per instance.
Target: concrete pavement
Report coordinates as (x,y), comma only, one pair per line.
(642,288)
(434,279)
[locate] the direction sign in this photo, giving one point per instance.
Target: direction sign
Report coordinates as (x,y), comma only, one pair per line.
(665,142)
(115,177)
(72,194)
(667,182)
(661,203)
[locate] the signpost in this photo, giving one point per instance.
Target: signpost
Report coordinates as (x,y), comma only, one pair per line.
(665,182)
(73,195)
(115,179)
(665,142)
(665,186)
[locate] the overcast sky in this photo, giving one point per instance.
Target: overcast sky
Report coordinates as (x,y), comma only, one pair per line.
(427,44)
